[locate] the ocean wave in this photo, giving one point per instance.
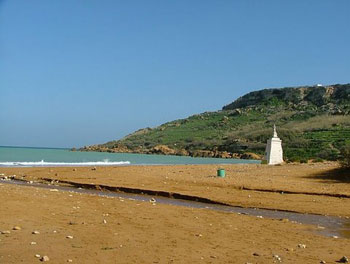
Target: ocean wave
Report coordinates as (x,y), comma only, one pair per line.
(43,163)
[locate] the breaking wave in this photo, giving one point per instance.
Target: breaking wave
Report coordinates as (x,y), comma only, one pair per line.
(43,163)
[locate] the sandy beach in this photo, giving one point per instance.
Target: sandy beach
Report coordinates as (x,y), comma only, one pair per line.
(175,132)
(248,185)
(114,230)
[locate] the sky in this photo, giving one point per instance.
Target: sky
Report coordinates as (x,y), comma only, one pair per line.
(75,73)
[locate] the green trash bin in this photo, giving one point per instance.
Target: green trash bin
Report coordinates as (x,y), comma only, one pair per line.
(221,173)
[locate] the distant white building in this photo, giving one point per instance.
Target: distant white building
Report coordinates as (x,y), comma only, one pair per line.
(319,85)
(274,152)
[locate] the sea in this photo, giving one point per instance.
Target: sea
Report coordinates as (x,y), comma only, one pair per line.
(53,157)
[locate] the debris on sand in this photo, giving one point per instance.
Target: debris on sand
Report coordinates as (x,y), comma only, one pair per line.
(344,259)
(44,258)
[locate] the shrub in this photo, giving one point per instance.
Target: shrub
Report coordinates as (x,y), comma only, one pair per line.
(318,160)
(293,159)
(345,156)
(328,154)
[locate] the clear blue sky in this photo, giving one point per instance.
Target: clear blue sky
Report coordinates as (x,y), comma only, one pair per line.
(81,72)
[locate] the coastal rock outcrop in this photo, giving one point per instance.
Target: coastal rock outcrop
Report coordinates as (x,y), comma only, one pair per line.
(250,155)
(162,149)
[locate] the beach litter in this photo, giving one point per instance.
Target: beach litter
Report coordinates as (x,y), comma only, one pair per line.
(44,258)
(344,259)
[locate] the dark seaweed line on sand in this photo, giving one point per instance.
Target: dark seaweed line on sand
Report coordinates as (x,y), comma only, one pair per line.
(170,195)
(165,194)
(139,191)
(188,197)
(293,192)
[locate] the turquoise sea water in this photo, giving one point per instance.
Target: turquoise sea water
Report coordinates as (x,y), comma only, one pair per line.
(17,157)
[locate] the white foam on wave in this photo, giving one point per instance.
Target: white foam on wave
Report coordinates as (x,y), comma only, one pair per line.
(61,164)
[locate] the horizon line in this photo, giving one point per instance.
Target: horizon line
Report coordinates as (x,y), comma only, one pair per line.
(1,146)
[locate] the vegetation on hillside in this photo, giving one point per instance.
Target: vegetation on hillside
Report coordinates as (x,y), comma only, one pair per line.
(313,122)
(345,156)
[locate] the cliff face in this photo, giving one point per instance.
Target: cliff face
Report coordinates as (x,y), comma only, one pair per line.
(300,96)
(313,122)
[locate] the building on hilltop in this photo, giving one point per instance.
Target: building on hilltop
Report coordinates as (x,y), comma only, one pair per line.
(274,152)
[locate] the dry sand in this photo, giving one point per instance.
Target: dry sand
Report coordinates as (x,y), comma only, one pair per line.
(139,232)
(201,180)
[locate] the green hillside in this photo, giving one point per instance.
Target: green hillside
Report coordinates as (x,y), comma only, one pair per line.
(313,122)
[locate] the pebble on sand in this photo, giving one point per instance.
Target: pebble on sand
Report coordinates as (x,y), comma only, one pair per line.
(44,258)
(35,232)
(69,237)
(284,220)
(16,228)
(277,258)
(5,232)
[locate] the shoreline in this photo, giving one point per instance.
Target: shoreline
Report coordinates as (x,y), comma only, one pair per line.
(126,164)
(167,151)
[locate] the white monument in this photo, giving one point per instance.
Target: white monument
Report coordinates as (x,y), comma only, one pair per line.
(274,152)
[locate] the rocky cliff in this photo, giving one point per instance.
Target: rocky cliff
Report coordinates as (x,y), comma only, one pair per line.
(328,97)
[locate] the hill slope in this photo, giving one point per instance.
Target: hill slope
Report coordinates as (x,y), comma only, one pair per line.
(312,121)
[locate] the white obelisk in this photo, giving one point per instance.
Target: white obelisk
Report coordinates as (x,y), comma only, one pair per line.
(274,152)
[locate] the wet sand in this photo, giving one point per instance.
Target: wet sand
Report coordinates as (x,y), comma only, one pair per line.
(140,232)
